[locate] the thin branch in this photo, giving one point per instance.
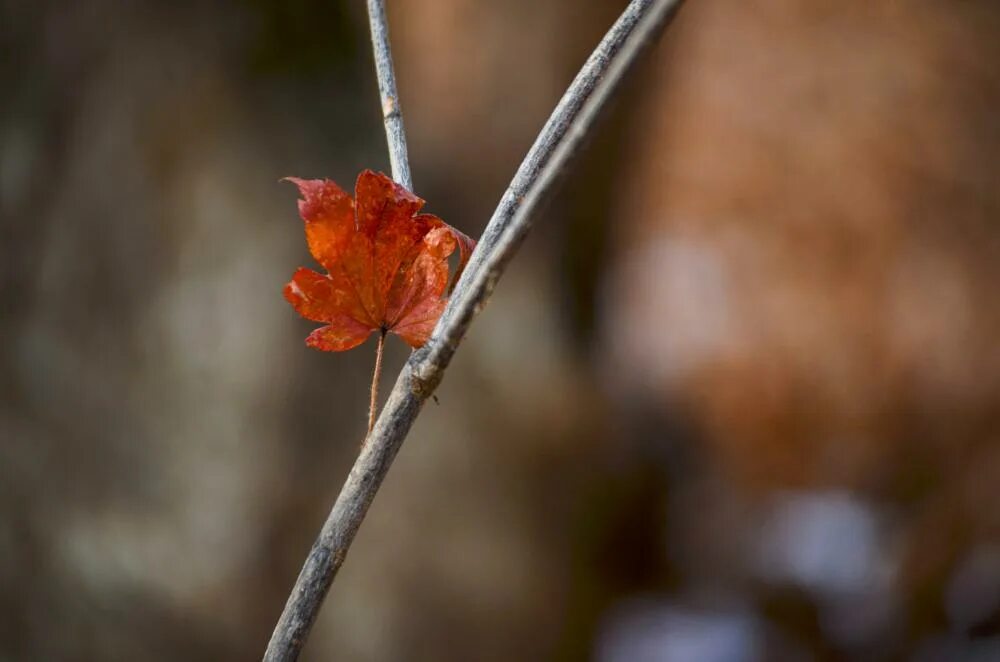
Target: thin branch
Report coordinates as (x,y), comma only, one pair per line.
(559,122)
(392,115)
(512,221)
(373,405)
(559,141)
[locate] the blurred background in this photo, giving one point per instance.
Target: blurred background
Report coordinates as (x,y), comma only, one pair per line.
(737,399)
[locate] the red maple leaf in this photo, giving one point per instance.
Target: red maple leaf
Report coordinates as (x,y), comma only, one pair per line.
(387,265)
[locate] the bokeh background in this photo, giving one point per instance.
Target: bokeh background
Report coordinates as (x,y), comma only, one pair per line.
(737,399)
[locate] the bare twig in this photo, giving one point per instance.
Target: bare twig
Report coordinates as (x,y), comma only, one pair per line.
(563,116)
(559,141)
(513,217)
(391,113)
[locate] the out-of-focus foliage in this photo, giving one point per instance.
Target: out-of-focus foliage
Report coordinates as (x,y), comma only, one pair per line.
(738,398)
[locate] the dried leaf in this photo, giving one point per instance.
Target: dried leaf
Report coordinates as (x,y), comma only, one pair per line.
(387,264)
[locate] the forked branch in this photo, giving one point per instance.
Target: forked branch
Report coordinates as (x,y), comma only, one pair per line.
(558,142)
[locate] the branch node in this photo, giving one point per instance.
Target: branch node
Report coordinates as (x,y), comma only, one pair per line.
(424,379)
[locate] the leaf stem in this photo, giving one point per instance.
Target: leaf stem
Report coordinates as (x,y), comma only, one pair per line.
(376,375)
